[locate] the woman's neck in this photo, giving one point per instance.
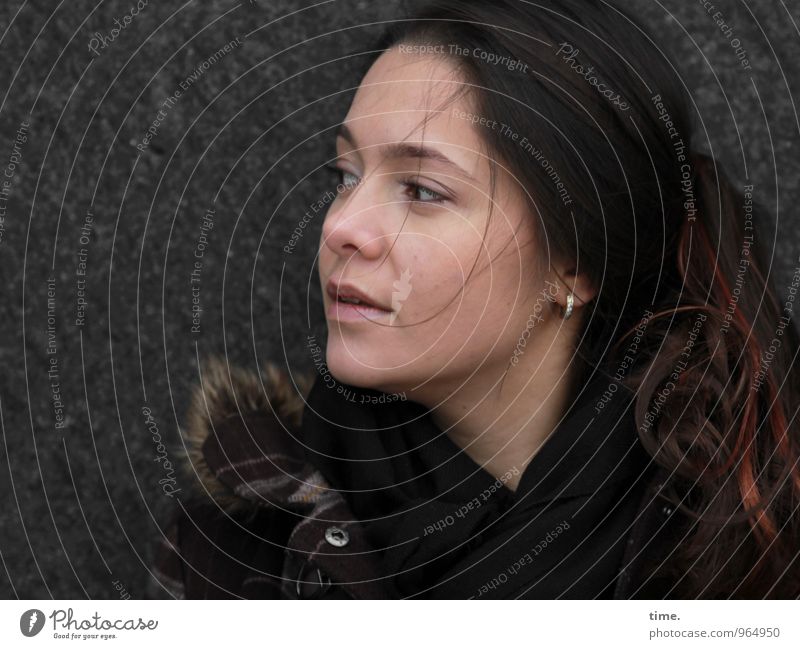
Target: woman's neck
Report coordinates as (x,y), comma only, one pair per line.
(501,422)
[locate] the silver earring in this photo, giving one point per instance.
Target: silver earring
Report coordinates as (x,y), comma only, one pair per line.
(570,304)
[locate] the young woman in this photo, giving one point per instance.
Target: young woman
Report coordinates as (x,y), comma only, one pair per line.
(555,366)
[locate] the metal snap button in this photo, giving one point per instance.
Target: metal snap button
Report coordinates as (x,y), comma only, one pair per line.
(337,537)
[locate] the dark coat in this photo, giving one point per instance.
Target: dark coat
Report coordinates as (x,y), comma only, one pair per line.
(257,522)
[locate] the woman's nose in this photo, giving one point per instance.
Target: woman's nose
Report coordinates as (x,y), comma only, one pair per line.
(352,224)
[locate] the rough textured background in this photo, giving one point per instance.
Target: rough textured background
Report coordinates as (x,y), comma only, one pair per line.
(80,506)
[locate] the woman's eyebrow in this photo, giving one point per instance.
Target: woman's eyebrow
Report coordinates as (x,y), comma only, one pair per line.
(407,150)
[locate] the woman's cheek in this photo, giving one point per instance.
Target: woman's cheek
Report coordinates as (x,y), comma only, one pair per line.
(441,296)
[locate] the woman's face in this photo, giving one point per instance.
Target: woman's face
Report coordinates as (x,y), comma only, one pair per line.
(409,233)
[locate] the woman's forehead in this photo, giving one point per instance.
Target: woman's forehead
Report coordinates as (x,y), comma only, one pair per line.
(414,99)
(406,89)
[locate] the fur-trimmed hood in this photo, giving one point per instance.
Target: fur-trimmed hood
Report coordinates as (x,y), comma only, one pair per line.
(226,392)
(242,452)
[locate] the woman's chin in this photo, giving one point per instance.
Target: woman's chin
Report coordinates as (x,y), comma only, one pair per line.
(347,368)
(362,372)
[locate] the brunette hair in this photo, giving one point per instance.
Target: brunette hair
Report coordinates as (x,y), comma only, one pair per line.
(684,319)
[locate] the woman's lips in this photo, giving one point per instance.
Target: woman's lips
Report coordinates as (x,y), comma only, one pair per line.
(348,312)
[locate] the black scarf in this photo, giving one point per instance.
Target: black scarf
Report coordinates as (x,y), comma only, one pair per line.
(448,529)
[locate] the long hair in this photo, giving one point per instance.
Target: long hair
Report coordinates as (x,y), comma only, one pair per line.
(597,131)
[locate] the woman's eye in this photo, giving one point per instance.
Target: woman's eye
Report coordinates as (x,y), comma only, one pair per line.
(422,194)
(346,179)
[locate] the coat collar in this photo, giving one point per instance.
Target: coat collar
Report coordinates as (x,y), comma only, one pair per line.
(243,448)
(241,437)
